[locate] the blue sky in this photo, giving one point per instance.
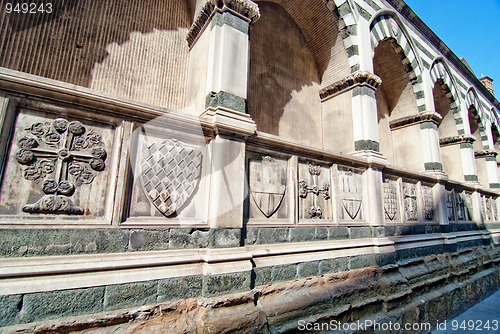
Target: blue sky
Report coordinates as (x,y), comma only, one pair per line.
(471,29)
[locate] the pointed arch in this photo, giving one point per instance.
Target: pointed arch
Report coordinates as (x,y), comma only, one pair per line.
(386,25)
(475,108)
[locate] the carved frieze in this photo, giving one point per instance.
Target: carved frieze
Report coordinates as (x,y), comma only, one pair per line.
(314,192)
(410,200)
(170,172)
(390,200)
(485,153)
(267,177)
(351,195)
(356,79)
(428,202)
(456,140)
(60,156)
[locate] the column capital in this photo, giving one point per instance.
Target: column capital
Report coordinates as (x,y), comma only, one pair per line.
(420,118)
(245,9)
(358,78)
(454,140)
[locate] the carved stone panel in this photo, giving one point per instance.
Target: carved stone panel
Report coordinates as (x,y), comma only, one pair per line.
(410,201)
(267,186)
(391,200)
(350,194)
(460,207)
(314,192)
(57,165)
(428,202)
(168,177)
(468,206)
(450,208)
(491,209)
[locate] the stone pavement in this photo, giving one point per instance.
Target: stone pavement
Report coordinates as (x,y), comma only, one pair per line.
(483,317)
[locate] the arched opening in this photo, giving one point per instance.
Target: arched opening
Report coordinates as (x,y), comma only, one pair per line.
(478,147)
(396,99)
(496,143)
(284,78)
(447,129)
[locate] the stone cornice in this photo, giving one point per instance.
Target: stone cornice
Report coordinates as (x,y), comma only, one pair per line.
(425,116)
(356,79)
(485,153)
(456,140)
(245,8)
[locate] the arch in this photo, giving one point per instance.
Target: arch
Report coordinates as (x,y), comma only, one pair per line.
(475,108)
(386,25)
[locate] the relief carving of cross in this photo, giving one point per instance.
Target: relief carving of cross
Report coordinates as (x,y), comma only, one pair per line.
(304,189)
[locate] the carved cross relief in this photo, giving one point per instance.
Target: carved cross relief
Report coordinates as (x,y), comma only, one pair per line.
(315,210)
(62,155)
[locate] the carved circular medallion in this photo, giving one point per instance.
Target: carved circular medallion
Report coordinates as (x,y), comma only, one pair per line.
(60,125)
(49,186)
(24,157)
(76,128)
(66,188)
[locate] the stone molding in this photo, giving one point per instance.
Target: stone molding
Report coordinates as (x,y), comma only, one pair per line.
(485,154)
(359,78)
(456,140)
(245,8)
(425,116)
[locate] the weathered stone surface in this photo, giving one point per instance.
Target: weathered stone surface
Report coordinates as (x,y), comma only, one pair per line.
(338,232)
(187,238)
(130,294)
(9,309)
(224,237)
(330,266)
(149,239)
(273,235)
(36,242)
(285,272)
(263,275)
(360,232)
(302,234)
(179,288)
(49,305)
(226,283)
(308,269)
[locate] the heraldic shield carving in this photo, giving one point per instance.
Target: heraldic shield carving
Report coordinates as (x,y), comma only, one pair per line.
(267,184)
(170,173)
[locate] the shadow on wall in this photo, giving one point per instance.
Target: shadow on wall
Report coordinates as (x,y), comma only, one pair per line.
(67,45)
(284,77)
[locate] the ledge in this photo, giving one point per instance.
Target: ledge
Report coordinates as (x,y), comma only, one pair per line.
(359,78)
(447,141)
(425,116)
(485,154)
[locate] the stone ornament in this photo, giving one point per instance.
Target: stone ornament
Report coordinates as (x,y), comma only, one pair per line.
(390,199)
(351,192)
(428,203)
(360,77)
(60,155)
(315,210)
(449,206)
(410,200)
(170,173)
(267,184)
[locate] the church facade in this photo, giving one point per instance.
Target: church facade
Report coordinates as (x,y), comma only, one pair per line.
(241,166)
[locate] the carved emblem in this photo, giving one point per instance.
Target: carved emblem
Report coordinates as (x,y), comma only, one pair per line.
(390,199)
(170,173)
(449,206)
(468,206)
(267,184)
(428,203)
(460,207)
(410,200)
(61,155)
(304,189)
(491,209)
(350,188)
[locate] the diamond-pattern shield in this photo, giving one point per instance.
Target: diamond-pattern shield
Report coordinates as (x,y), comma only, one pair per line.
(170,172)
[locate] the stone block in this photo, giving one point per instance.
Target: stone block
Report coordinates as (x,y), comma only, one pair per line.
(384,259)
(262,275)
(224,237)
(321,233)
(179,288)
(149,239)
(298,234)
(250,235)
(359,232)
(187,238)
(56,304)
(226,283)
(273,235)
(378,232)
(338,232)
(285,272)
(308,269)
(390,231)
(130,294)
(9,309)
(361,261)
